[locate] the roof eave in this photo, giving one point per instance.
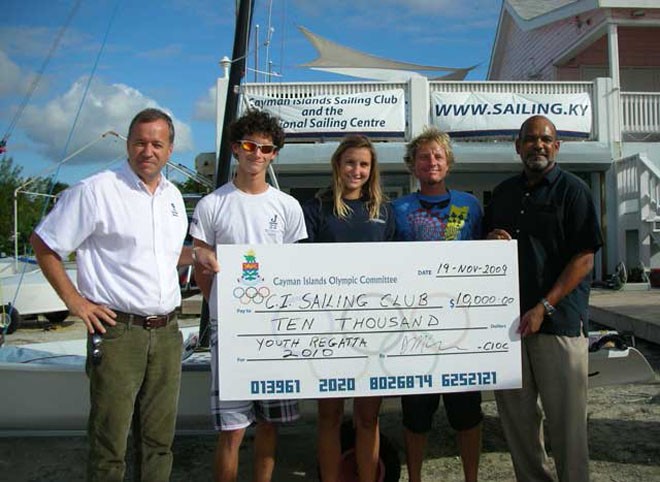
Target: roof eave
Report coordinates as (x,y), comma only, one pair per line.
(628,4)
(495,48)
(553,16)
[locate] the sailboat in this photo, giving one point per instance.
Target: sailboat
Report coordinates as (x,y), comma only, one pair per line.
(32,376)
(25,292)
(35,375)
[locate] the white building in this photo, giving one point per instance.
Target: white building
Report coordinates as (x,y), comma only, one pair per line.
(556,58)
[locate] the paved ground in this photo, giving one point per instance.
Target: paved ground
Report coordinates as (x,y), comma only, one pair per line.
(628,311)
(41,331)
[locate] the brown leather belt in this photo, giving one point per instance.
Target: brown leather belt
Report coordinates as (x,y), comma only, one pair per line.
(146,322)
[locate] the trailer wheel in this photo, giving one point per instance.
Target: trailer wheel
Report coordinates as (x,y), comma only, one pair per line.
(56,316)
(10,319)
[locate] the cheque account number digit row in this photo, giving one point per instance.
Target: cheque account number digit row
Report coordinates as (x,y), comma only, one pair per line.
(336,385)
(400,382)
(274,387)
(467,379)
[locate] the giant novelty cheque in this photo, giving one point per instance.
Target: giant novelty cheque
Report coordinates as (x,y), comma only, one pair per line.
(367,319)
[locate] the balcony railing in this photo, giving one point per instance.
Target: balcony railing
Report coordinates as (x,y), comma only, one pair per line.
(514,87)
(296,90)
(641,116)
(638,187)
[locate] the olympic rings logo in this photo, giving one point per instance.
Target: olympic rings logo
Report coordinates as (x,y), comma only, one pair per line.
(251,294)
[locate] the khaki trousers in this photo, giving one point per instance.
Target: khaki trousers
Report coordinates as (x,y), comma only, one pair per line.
(136,381)
(554,375)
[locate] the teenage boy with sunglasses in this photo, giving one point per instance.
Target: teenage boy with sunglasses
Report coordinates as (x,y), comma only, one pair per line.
(246,210)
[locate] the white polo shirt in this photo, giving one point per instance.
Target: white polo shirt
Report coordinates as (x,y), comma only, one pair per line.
(127,241)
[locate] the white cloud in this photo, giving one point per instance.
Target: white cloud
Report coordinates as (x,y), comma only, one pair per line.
(12,78)
(28,41)
(107,108)
(205,107)
(165,52)
(454,8)
(449,7)
(208,12)
(35,43)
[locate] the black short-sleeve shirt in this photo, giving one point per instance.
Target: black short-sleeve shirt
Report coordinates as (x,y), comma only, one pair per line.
(552,221)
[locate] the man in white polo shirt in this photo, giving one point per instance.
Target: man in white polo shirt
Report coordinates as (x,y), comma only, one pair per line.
(127,228)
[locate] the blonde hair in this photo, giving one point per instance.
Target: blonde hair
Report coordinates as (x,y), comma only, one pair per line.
(371,190)
(430,134)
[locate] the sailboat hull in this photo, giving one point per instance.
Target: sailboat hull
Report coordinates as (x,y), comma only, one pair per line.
(58,374)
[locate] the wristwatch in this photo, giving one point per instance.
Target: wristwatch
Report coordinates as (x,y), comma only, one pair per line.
(549,309)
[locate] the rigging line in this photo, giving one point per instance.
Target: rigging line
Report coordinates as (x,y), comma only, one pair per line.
(15,120)
(84,97)
(283,30)
(40,72)
(49,195)
(248,49)
(54,177)
(73,127)
(269,36)
(91,77)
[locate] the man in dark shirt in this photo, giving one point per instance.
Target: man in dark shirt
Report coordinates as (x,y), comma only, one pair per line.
(551,214)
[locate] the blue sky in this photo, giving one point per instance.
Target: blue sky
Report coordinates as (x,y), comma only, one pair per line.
(166,53)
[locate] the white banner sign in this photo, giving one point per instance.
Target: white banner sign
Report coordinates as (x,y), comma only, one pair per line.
(479,113)
(368,112)
(367,319)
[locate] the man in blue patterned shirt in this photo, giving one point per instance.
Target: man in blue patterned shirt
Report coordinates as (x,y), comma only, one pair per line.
(434,213)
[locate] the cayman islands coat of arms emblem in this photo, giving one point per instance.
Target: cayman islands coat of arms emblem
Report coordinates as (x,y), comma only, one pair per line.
(249,292)
(250,272)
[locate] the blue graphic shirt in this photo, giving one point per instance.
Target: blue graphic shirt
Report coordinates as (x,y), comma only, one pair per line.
(450,217)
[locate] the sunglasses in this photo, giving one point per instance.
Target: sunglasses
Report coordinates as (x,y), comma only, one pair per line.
(97,353)
(249,146)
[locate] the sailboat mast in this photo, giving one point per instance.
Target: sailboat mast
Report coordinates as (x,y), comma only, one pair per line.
(236,73)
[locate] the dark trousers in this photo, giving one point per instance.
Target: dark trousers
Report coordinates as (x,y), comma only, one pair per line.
(137,381)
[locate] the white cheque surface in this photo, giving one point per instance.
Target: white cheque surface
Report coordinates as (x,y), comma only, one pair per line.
(367,319)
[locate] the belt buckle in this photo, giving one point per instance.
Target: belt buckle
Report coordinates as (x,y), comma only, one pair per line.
(149,320)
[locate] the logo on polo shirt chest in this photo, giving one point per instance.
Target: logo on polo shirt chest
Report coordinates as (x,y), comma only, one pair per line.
(273,223)
(274,229)
(173,210)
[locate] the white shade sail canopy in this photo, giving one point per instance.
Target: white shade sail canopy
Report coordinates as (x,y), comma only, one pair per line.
(347,61)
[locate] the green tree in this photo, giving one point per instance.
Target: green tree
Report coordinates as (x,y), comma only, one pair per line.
(190,186)
(31,207)
(10,179)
